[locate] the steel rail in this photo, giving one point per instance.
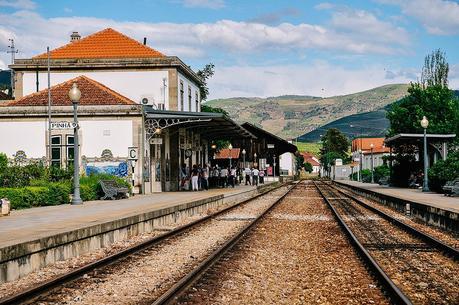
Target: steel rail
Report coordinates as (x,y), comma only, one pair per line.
(42,288)
(189,279)
(450,251)
(395,293)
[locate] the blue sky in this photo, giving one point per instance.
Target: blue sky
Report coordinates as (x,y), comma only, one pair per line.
(260,48)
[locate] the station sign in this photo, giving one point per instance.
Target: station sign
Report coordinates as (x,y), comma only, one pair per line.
(63,125)
(133,153)
(157,141)
(270,146)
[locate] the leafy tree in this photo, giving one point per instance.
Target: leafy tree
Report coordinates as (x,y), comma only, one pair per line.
(3,162)
(299,161)
(435,70)
(437,103)
(444,171)
(205,74)
(205,108)
(308,167)
(334,146)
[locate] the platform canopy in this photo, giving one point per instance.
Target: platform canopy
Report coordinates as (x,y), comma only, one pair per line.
(280,145)
(416,138)
(212,126)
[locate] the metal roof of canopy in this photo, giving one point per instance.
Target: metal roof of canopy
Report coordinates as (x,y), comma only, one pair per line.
(281,145)
(414,138)
(213,126)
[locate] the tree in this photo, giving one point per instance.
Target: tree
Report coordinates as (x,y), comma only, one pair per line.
(435,70)
(308,167)
(335,145)
(205,74)
(205,108)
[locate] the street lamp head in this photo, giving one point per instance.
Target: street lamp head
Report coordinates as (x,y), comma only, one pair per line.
(213,146)
(424,122)
(360,151)
(243,151)
(255,155)
(372,145)
(230,146)
(75,94)
(158,131)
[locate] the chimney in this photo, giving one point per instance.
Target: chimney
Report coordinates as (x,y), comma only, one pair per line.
(74,37)
(145,41)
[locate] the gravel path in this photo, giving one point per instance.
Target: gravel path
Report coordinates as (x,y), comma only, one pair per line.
(142,277)
(422,272)
(296,255)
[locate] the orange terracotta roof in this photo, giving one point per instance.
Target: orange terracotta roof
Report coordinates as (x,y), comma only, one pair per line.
(312,161)
(377,150)
(225,153)
(365,144)
(107,43)
(92,93)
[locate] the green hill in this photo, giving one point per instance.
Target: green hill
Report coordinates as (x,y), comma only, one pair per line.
(290,116)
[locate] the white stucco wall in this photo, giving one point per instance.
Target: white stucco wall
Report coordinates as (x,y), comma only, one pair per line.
(115,135)
(194,89)
(286,162)
(132,84)
(27,136)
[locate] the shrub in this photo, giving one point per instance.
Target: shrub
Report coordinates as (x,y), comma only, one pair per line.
(444,171)
(90,188)
(34,196)
(3,162)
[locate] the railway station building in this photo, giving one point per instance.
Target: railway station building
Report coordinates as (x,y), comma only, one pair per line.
(139,113)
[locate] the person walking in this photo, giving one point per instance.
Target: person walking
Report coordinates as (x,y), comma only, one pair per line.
(195,177)
(247,173)
(255,173)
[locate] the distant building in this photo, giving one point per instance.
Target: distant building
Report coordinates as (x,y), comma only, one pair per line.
(313,160)
(363,145)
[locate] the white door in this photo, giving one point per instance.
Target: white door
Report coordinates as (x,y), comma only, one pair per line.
(155,170)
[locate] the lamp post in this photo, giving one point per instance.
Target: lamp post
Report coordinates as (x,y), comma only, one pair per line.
(75,95)
(230,148)
(255,160)
(372,175)
(359,176)
(425,124)
(243,157)
(274,169)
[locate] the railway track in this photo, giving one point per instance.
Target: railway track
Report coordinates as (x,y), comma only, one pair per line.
(412,266)
(57,289)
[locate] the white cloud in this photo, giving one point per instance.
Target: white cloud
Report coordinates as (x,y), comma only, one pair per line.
(302,80)
(439,17)
(213,4)
(18,4)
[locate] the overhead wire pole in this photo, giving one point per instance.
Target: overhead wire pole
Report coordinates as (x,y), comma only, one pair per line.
(13,53)
(49,109)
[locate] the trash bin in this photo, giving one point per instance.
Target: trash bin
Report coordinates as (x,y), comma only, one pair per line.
(5,206)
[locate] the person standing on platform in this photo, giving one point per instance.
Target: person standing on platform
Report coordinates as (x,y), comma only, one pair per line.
(195,177)
(183,176)
(247,173)
(255,173)
(261,176)
(232,176)
(205,177)
(223,177)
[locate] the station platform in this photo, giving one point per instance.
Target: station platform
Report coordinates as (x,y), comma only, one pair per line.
(415,195)
(39,236)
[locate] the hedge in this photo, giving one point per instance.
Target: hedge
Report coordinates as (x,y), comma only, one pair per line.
(35,196)
(90,188)
(444,171)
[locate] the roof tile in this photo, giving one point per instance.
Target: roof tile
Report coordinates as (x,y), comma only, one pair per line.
(107,43)
(92,93)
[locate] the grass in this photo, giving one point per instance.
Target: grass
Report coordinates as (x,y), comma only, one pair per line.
(312,147)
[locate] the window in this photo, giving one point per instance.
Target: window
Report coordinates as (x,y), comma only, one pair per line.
(198,108)
(189,98)
(56,151)
(181,96)
(70,151)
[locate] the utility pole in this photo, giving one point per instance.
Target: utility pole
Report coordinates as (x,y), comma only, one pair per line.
(12,50)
